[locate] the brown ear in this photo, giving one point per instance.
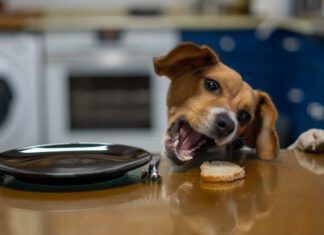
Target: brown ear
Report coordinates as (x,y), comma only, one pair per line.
(262,134)
(186,56)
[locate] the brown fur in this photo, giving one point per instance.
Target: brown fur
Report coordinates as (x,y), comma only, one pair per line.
(187,66)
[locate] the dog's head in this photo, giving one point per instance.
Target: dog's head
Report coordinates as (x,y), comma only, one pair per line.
(209,104)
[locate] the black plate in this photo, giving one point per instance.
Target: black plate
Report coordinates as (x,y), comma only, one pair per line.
(77,163)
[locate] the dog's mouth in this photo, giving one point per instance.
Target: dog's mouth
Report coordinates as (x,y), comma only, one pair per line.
(183,142)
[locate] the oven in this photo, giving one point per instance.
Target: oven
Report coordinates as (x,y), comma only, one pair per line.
(101,87)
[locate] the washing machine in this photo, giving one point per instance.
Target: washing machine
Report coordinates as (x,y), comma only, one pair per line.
(20,90)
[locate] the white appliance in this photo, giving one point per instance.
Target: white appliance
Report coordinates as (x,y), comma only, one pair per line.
(104,89)
(19,90)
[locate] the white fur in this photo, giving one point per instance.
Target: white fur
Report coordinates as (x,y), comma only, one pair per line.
(311,141)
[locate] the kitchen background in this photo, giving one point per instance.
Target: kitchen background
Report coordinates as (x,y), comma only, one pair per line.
(75,70)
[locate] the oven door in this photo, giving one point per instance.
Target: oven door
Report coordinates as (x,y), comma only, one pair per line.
(106,96)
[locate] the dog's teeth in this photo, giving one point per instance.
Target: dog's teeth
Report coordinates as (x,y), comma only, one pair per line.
(175,144)
(187,156)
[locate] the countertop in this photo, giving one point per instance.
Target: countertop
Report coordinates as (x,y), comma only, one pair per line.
(283,196)
(41,22)
(218,22)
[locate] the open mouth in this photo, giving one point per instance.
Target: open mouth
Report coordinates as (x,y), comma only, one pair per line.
(183,142)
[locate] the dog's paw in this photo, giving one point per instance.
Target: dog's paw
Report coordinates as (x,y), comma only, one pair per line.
(310,141)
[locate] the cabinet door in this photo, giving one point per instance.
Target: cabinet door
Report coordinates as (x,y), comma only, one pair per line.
(310,80)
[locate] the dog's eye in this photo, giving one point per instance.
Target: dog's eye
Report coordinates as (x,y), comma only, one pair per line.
(243,117)
(211,85)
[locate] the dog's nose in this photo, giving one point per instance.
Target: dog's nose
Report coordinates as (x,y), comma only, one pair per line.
(224,125)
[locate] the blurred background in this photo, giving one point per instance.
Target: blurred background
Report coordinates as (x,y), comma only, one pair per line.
(76,70)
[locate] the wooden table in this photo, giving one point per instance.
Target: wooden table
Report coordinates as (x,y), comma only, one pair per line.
(284,196)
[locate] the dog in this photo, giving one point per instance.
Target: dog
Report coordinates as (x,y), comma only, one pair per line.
(210,105)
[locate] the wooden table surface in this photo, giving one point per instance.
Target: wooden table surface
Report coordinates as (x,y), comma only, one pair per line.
(284,196)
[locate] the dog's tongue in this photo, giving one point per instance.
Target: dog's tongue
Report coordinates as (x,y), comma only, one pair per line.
(188,137)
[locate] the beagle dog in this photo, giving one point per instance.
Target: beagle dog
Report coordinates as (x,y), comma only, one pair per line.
(210,105)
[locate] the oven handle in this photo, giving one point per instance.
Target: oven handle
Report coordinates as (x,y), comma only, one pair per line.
(105,58)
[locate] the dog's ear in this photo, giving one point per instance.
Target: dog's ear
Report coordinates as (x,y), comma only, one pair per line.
(186,56)
(262,134)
